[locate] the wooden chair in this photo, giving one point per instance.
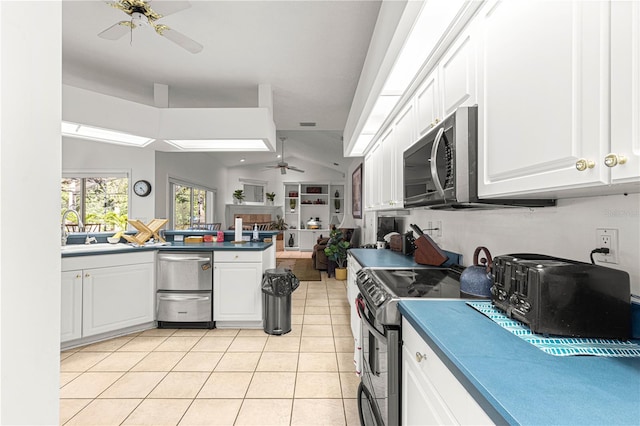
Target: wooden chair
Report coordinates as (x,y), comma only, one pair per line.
(207,226)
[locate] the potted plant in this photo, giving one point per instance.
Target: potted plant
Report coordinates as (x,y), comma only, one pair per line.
(271,196)
(238,196)
(279,225)
(336,251)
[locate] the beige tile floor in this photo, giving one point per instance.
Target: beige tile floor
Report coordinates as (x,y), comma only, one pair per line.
(221,376)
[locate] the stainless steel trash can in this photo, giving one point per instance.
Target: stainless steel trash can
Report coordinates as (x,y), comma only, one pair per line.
(277,286)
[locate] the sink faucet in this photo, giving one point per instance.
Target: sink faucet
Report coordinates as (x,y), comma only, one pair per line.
(63,229)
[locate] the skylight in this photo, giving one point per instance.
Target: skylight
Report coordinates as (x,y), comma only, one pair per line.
(229,145)
(82,131)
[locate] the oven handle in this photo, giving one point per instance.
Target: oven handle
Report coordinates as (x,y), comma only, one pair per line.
(432,161)
(365,321)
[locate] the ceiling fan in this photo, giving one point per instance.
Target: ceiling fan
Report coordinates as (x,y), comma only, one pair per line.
(142,15)
(283,165)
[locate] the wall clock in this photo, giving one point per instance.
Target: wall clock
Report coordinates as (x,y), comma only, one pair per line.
(142,188)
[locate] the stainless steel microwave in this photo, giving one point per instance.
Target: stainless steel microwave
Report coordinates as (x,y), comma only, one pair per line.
(441,169)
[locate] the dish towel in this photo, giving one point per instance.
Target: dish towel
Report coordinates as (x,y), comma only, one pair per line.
(558,346)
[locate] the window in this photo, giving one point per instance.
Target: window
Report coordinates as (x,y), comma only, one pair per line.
(192,205)
(101,201)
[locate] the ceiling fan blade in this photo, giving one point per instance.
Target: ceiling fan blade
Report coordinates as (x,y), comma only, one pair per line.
(181,40)
(166,8)
(116,31)
(295,169)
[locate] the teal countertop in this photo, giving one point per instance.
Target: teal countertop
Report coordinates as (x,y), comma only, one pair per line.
(520,382)
(176,246)
(390,259)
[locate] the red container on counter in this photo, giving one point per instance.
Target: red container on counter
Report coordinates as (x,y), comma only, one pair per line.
(220,236)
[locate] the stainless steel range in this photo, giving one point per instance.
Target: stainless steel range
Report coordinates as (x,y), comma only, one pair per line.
(380,291)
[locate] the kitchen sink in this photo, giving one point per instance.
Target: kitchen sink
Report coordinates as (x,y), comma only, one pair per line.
(75,248)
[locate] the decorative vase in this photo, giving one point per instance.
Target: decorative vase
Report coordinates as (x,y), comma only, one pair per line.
(337,194)
(291,241)
(292,205)
(336,204)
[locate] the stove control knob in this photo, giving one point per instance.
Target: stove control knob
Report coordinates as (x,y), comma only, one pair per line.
(494,290)
(514,300)
(502,295)
(526,307)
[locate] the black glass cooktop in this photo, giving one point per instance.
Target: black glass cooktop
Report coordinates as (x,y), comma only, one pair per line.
(426,283)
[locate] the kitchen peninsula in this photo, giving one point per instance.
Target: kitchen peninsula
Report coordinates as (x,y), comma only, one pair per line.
(110,290)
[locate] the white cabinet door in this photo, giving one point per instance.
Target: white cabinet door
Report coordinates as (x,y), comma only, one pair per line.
(428,110)
(625,90)
(431,394)
(405,129)
(237,295)
(373,177)
(387,169)
(421,404)
(71,306)
(352,292)
(117,297)
(542,102)
(308,239)
(458,73)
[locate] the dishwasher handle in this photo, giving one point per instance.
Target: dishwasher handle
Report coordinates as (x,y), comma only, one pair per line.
(182,298)
(183,258)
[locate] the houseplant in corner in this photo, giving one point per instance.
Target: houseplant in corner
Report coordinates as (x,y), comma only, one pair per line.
(336,251)
(238,196)
(271,196)
(279,225)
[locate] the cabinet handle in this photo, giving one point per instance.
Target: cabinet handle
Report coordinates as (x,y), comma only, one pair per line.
(613,160)
(420,357)
(583,164)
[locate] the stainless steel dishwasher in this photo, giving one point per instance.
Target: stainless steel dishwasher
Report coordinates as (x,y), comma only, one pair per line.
(185,289)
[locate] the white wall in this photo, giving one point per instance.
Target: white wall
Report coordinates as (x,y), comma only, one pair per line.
(567,230)
(79,155)
(275,180)
(30,114)
(198,168)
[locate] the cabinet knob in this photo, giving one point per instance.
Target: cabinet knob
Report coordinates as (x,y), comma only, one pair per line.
(613,160)
(583,164)
(87,275)
(437,120)
(420,357)
(79,276)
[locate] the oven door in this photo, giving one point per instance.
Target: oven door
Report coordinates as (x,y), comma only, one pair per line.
(373,396)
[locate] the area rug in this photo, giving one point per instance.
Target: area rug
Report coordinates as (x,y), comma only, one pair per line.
(302,268)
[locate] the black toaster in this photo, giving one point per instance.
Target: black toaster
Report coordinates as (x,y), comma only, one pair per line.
(562,297)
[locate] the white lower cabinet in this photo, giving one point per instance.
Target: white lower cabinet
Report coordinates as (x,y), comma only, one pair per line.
(104,293)
(431,394)
(117,297)
(352,292)
(71,306)
(237,292)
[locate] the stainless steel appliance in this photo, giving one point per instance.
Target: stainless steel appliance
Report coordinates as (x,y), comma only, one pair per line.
(563,297)
(185,289)
(377,304)
(441,169)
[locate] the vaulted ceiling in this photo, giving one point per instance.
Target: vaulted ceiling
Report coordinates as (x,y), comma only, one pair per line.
(310,52)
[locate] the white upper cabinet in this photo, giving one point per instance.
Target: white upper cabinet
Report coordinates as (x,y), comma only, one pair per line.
(458,73)
(543,97)
(427,101)
(373,177)
(625,92)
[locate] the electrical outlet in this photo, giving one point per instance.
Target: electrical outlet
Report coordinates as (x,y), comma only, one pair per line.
(607,237)
(430,229)
(438,227)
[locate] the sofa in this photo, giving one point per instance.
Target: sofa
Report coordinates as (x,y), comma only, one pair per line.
(319,259)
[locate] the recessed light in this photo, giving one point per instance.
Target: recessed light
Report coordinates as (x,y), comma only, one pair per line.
(242,160)
(307,124)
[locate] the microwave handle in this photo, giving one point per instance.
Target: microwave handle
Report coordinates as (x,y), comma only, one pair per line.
(432,161)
